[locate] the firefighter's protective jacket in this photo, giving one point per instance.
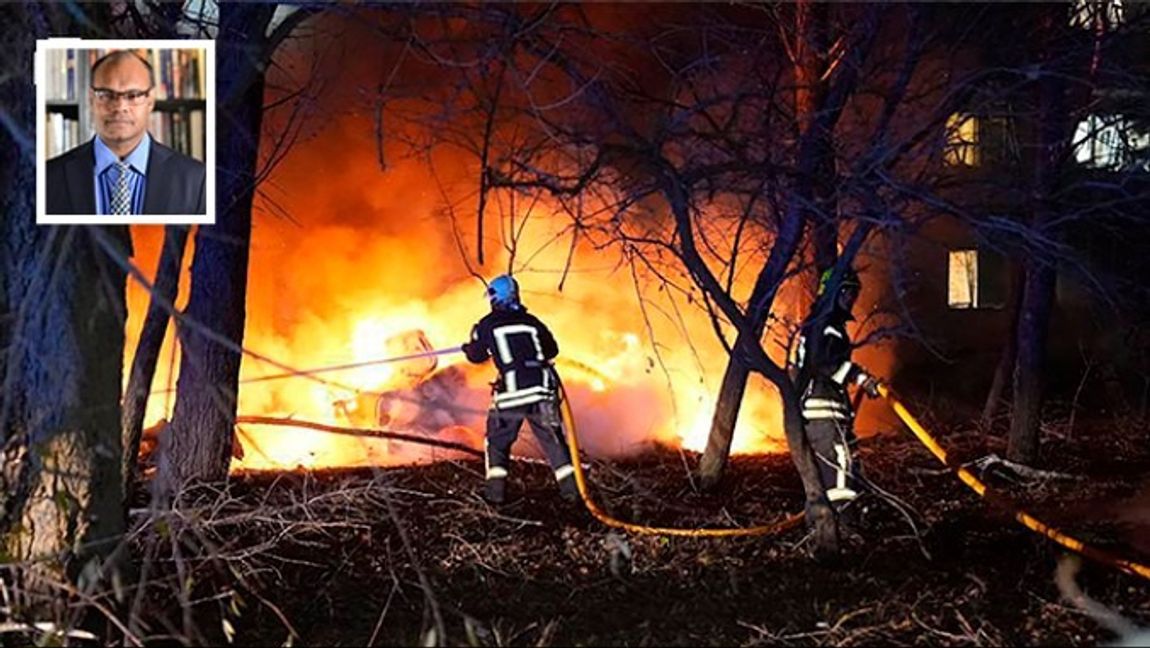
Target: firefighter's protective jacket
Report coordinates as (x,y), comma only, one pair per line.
(522,348)
(825,356)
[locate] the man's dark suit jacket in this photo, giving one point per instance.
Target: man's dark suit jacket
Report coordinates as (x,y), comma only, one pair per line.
(176,183)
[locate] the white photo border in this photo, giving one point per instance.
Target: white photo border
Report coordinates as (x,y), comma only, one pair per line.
(40,79)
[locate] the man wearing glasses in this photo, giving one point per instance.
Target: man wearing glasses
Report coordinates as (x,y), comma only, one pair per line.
(123,171)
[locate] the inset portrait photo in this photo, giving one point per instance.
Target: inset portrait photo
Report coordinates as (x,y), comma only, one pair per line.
(125,131)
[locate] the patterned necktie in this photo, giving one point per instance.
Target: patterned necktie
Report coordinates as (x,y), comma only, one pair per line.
(121,192)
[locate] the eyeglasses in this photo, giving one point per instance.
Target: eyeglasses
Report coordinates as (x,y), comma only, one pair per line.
(110,97)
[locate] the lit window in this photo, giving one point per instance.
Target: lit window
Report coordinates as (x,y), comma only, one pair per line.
(1097,14)
(961,140)
(976,279)
(962,278)
(1111,142)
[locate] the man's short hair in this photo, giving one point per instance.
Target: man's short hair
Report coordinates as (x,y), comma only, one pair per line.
(119,55)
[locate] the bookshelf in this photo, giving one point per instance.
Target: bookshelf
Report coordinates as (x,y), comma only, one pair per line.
(177,120)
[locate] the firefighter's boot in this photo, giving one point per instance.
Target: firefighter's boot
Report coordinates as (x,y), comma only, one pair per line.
(565,476)
(568,489)
(495,490)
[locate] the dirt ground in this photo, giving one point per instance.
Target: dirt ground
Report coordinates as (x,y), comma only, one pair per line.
(396,556)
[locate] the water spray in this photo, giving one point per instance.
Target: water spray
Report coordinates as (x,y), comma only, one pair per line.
(355,365)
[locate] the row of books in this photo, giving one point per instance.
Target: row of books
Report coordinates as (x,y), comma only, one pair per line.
(183,131)
(179,73)
(61,134)
(60,75)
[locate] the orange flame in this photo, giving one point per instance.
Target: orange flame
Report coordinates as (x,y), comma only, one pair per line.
(373,259)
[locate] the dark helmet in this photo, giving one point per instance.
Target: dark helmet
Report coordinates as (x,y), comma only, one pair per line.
(503,291)
(850,280)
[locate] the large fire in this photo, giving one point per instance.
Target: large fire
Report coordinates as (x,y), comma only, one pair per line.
(350,263)
(325,294)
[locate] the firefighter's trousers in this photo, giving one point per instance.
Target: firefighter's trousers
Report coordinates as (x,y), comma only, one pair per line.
(829,424)
(503,428)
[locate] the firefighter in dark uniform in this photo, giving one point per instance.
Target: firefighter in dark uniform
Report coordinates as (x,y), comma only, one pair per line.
(527,388)
(824,362)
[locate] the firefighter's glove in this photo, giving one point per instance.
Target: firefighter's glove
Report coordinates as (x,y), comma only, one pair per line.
(870,386)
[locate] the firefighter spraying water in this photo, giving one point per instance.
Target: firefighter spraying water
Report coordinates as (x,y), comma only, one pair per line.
(523,349)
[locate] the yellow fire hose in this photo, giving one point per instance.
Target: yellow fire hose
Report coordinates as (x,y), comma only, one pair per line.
(785,524)
(795,519)
(1020,515)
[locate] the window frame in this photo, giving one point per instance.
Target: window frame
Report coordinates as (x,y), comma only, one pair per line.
(968,259)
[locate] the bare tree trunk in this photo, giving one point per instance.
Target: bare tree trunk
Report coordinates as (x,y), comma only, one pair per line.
(62,314)
(810,66)
(813,146)
(62,404)
(160,21)
(1004,370)
(165,288)
(727,406)
(1054,136)
(810,32)
(1033,323)
(729,402)
(198,444)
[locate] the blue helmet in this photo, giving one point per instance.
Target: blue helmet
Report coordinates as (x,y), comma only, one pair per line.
(503,292)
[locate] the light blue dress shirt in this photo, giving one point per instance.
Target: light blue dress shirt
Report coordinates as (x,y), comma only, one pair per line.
(106,174)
